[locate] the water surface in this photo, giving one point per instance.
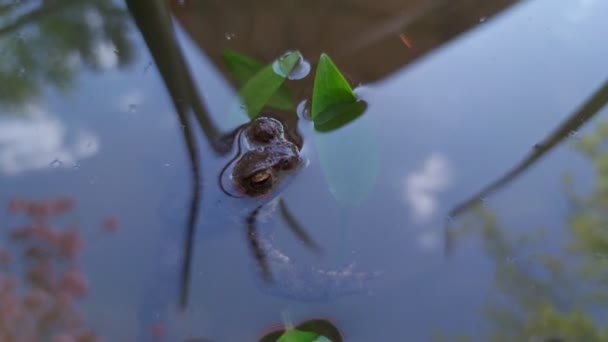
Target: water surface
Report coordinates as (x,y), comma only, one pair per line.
(86,113)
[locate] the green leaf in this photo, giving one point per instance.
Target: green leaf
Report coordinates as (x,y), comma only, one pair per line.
(243,69)
(293,335)
(331,88)
(240,66)
(338,115)
(286,63)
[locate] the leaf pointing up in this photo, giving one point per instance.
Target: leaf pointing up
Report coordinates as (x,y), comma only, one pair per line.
(331,88)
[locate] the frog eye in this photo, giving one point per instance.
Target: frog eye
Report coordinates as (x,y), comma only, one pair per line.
(261,180)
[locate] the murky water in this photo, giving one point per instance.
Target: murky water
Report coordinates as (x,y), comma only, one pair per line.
(97,101)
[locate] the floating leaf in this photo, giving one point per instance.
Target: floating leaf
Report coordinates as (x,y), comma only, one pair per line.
(293,335)
(241,67)
(330,89)
(262,85)
(286,63)
(338,115)
(315,330)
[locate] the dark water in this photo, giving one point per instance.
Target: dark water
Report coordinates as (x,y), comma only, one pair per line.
(87,113)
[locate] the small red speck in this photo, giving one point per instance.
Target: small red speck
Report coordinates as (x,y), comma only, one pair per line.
(110,225)
(406,41)
(157,330)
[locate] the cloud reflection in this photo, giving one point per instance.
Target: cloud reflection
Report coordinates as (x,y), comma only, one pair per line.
(39,140)
(421,187)
(106,55)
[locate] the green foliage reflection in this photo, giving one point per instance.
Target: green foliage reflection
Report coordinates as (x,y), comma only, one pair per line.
(553,295)
(53,41)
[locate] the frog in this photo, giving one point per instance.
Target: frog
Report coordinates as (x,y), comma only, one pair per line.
(261,158)
(267,155)
(270,156)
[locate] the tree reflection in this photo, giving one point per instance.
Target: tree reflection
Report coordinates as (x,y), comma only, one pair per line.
(50,42)
(591,107)
(552,296)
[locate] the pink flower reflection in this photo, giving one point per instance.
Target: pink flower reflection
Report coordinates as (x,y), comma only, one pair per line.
(40,305)
(74,283)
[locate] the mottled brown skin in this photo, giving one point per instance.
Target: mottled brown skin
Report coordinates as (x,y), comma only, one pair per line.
(269,157)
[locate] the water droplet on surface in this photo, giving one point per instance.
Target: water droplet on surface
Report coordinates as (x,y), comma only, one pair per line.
(301,70)
(302,110)
(483,19)
(132,108)
(167,164)
(229,35)
(56,163)
(76,166)
(116,51)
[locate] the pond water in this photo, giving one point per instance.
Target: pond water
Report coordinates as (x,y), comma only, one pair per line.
(94,162)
